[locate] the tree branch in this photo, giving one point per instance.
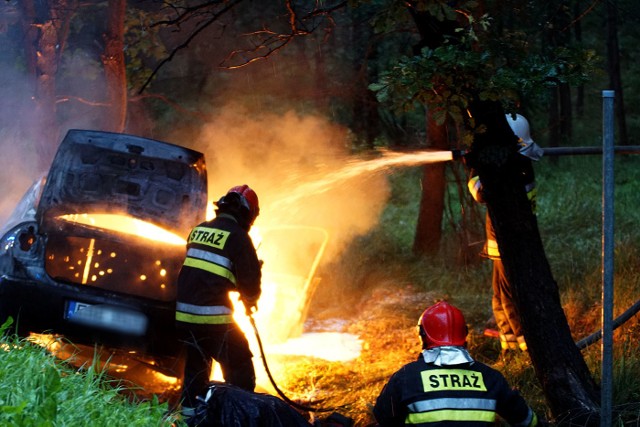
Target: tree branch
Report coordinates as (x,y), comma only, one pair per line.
(171,103)
(201,27)
(275,41)
(185,13)
(269,43)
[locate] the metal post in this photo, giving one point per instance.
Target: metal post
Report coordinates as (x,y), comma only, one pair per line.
(607,256)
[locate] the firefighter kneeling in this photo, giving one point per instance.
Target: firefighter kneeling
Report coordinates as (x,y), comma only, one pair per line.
(446,386)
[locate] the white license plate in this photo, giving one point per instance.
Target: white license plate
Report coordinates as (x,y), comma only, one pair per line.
(108,317)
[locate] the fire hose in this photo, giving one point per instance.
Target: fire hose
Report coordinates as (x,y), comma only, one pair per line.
(273,382)
(618,321)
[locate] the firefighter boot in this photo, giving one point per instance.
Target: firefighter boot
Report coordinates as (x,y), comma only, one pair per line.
(508,342)
(188,416)
(522,344)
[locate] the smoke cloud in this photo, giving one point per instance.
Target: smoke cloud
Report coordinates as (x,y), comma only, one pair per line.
(306,181)
(299,167)
(18,162)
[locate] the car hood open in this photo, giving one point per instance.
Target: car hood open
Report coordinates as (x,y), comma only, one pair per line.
(102,172)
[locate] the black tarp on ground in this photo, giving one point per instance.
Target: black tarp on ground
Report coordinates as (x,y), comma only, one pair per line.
(230,406)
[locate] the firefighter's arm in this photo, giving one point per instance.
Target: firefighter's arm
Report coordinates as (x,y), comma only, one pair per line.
(388,410)
(250,305)
(474,184)
(531,420)
(514,409)
(249,276)
(249,295)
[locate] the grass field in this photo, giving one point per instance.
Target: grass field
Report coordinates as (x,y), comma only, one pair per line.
(39,390)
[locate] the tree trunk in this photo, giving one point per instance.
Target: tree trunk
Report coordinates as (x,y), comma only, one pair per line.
(114,67)
(613,67)
(42,58)
(366,122)
(552,122)
(577,31)
(566,114)
(555,36)
(565,378)
(429,226)
(562,38)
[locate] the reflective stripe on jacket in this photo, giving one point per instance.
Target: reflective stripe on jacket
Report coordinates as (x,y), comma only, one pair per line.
(220,258)
(447,409)
(213,263)
(203,314)
(471,394)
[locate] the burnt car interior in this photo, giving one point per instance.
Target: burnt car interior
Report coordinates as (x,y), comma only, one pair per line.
(92,251)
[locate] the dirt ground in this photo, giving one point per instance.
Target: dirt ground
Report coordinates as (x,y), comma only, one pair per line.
(385,320)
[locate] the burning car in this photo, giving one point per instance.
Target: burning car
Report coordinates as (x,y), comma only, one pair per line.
(93,250)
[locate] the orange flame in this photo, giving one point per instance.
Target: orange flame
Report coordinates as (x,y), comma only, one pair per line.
(126,224)
(291,255)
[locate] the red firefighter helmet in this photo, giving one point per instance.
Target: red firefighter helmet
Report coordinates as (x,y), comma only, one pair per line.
(241,202)
(249,199)
(442,324)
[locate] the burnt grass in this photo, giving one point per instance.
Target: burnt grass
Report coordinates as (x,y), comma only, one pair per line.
(385,317)
(385,320)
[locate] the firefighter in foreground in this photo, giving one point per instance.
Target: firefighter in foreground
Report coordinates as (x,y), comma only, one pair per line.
(446,386)
(220,258)
(504,310)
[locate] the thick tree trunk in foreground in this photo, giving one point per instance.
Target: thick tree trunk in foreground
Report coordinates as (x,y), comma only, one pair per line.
(565,378)
(429,226)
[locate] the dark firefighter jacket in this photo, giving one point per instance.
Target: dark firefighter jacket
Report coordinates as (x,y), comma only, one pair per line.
(423,394)
(220,258)
(527,178)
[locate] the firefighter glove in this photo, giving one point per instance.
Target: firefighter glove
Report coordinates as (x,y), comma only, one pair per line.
(250,306)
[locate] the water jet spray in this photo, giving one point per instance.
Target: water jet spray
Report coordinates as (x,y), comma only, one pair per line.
(459,154)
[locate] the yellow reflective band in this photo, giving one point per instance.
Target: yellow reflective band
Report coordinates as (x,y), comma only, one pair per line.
(452,379)
(211,268)
(451,415)
(204,320)
(209,236)
(532,195)
(508,345)
(492,248)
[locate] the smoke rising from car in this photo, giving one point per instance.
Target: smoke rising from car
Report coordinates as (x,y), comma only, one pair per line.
(281,157)
(19,159)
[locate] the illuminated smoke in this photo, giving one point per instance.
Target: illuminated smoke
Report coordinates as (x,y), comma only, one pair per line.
(284,157)
(296,164)
(19,159)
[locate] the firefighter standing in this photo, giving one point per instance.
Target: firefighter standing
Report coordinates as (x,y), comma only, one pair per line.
(220,258)
(446,386)
(504,310)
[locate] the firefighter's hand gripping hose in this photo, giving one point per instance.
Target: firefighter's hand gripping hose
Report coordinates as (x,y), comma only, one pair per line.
(273,383)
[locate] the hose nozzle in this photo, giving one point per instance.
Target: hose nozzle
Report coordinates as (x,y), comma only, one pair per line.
(458,154)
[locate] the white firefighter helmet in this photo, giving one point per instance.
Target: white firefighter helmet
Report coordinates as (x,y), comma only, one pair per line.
(520,126)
